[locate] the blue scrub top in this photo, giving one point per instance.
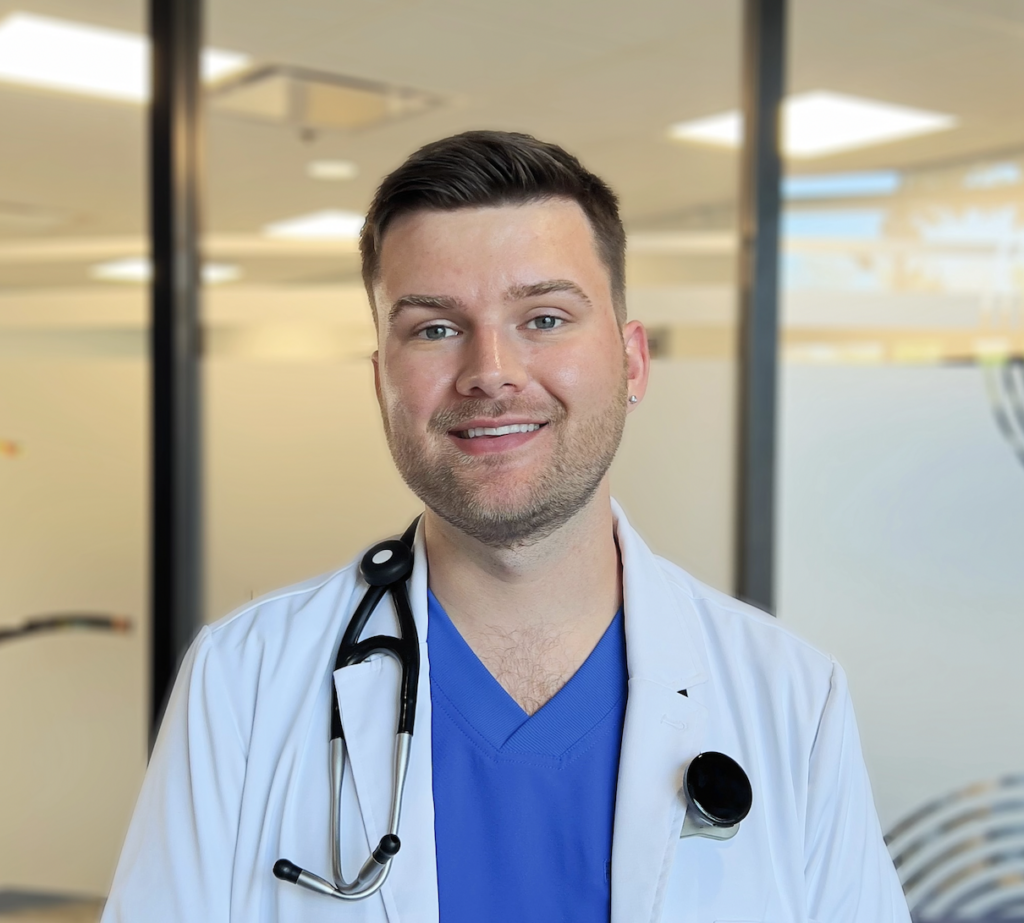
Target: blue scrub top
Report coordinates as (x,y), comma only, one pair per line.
(523,804)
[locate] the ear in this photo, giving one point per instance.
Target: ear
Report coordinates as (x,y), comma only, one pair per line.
(638,360)
(375,359)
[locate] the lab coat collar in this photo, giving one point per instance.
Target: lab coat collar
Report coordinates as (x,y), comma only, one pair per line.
(663,729)
(664,641)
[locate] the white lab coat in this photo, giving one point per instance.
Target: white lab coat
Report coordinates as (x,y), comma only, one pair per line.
(239,776)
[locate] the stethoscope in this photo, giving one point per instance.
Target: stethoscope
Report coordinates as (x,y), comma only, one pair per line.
(716,789)
(385,567)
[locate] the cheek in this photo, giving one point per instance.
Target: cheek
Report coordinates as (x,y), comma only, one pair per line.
(410,388)
(589,370)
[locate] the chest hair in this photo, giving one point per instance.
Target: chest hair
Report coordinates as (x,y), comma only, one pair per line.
(531,664)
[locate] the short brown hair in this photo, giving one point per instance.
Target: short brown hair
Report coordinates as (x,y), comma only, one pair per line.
(479,169)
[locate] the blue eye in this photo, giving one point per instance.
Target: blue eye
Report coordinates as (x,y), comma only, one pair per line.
(545,322)
(436,332)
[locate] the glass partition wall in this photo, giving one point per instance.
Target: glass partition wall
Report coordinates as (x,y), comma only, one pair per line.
(74,393)
(902,471)
(298,476)
(901,449)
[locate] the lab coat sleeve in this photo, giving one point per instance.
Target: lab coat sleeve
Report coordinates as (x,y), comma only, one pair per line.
(176,863)
(850,876)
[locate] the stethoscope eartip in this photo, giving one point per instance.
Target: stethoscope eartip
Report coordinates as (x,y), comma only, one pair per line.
(387,848)
(286,871)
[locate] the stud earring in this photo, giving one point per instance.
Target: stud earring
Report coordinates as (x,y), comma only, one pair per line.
(633,398)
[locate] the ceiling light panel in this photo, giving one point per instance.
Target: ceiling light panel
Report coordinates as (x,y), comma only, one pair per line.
(723,130)
(332,170)
(60,55)
(818,124)
(139,269)
(324,225)
(822,123)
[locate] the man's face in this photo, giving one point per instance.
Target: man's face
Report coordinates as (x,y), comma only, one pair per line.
(501,372)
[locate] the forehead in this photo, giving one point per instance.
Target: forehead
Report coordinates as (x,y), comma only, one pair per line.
(484,248)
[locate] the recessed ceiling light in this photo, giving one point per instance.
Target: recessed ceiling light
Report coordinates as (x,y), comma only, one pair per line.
(139,269)
(325,225)
(332,169)
(724,129)
(821,123)
(62,55)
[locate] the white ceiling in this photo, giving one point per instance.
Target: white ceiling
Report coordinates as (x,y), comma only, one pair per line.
(603,77)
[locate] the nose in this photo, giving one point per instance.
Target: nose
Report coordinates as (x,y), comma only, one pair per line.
(492,366)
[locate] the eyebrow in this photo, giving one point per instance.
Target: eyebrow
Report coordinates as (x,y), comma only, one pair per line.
(439,302)
(515,293)
(548,287)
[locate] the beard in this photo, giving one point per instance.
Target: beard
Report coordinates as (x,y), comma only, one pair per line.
(485,497)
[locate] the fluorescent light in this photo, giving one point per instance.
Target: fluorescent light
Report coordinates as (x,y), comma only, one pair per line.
(61,55)
(139,269)
(332,169)
(820,123)
(724,130)
(841,185)
(325,225)
(134,269)
(826,123)
(218,273)
(215,63)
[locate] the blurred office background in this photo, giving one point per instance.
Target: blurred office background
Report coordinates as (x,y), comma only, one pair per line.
(900,472)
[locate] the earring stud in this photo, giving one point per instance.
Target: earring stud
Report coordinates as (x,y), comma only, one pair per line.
(633,398)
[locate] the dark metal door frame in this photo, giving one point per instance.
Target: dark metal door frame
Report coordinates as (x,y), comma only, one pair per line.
(176,28)
(764,64)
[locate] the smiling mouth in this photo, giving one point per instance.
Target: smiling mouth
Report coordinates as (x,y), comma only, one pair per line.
(477,431)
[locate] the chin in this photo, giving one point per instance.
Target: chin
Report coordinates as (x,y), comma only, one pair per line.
(512,515)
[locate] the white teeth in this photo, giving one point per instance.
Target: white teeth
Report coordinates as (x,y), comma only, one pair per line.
(500,430)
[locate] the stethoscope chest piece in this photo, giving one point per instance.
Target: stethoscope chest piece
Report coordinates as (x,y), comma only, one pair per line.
(718,796)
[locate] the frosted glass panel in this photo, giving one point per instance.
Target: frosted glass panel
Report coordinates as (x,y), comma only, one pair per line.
(902,470)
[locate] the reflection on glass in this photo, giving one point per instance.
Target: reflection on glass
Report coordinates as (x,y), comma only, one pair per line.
(902,442)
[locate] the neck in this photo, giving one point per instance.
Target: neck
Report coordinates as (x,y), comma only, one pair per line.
(532,614)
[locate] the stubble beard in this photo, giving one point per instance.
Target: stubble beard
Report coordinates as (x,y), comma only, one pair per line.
(456,486)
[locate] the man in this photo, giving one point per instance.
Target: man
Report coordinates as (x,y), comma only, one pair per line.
(569,676)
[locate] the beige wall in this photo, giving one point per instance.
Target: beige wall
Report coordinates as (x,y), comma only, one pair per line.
(298,479)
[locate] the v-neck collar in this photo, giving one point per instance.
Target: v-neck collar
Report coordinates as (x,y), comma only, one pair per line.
(595,690)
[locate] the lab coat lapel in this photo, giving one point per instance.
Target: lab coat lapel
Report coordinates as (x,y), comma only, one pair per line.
(368,701)
(663,730)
